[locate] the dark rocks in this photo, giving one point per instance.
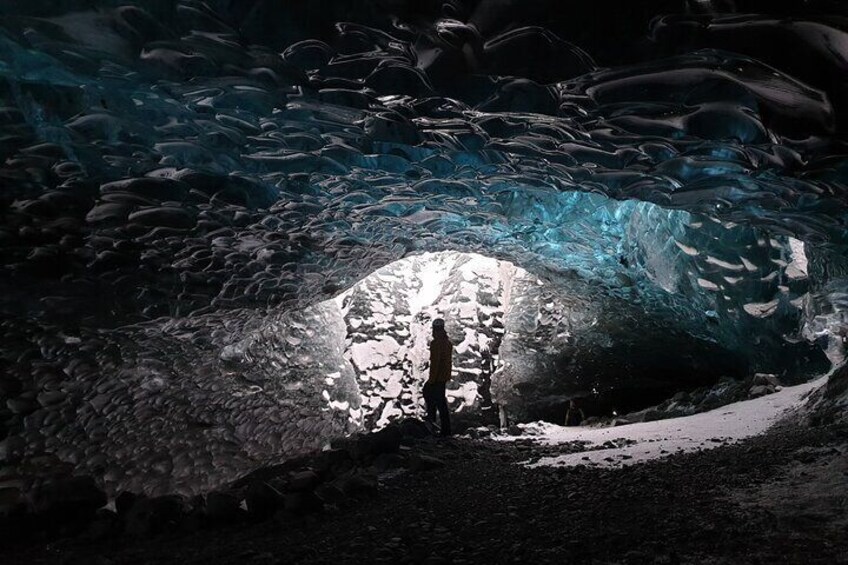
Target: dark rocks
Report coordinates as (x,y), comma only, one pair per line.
(67,500)
(222,508)
(301,503)
(766,379)
(514,430)
(811,454)
(421,462)
(760,390)
(168,510)
(332,461)
(12,501)
(303,480)
(356,484)
(144,517)
(139,520)
(413,428)
(481,509)
(262,500)
(386,461)
(387,440)
(124,502)
(105,525)
(12,448)
(331,493)
(333,479)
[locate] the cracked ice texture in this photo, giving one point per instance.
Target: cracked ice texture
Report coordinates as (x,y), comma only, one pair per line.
(389,316)
(158,410)
(169,164)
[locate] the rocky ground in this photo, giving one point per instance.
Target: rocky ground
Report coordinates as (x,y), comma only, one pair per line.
(775,498)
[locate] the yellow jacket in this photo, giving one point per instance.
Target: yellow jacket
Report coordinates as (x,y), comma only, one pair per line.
(441,351)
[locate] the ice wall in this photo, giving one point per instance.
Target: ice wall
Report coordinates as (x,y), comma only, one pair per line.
(179,176)
(179,405)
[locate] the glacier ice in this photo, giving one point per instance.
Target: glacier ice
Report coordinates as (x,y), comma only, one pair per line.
(187,183)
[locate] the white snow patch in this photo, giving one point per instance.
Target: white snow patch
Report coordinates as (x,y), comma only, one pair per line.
(392,385)
(653,440)
(432,278)
(390,411)
(339,405)
(373,353)
(466,394)
(470,339)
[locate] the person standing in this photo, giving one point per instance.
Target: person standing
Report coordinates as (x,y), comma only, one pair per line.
(441,354)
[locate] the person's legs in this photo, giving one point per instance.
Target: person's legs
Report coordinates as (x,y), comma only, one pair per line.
(444,414)
(430,403)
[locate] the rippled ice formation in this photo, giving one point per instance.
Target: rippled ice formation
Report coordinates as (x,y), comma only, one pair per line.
(184,182)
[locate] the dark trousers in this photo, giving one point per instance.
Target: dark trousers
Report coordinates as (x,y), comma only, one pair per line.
(434,397)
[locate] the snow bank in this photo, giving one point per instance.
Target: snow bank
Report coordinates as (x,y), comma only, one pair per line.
(636,443)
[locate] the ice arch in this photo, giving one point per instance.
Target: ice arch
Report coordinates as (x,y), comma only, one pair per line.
(180,403)
(180,199)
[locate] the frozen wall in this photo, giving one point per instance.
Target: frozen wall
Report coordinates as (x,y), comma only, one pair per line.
(181,176)
(179,406)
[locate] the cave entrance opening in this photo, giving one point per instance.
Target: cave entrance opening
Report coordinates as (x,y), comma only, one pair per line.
(388,317)
(523,346)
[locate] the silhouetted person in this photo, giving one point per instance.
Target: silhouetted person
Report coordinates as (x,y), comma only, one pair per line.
(441,351)
(574,416)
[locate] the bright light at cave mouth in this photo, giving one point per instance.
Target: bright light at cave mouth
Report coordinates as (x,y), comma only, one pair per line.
(388,316)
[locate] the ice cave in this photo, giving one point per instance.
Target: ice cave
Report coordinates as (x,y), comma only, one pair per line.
(227,228)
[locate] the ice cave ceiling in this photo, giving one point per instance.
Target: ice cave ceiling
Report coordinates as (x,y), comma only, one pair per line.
(185,185)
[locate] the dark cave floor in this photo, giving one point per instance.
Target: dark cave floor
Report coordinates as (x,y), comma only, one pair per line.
(781,497)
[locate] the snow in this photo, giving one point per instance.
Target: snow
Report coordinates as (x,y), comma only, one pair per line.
(470,339)
(653,440)
(390,412)
(466,393)
(373,353)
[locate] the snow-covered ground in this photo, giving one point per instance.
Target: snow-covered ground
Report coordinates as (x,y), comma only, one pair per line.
(651,440)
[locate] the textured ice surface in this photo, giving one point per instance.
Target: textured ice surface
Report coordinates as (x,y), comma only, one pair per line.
(180,177)
(389,316)
(156,409)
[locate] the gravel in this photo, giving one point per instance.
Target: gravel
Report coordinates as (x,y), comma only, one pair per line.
(479,505)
